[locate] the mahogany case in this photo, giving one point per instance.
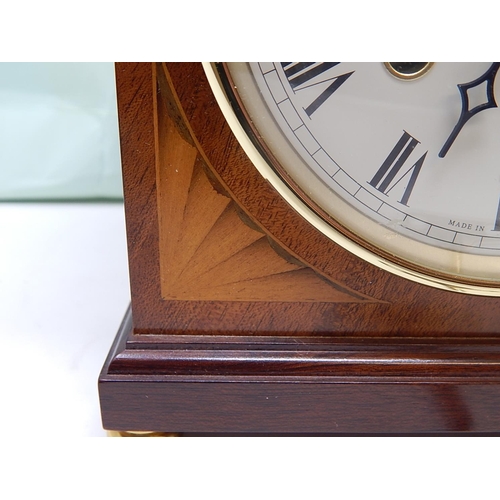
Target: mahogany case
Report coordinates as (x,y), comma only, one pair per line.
(245,319)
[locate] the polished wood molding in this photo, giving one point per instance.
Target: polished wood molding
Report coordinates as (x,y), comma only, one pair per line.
(350,386)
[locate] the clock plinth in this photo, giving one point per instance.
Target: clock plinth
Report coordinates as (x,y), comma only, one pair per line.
(245,320)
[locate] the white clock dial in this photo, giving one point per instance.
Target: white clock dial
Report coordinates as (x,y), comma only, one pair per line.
(408,162)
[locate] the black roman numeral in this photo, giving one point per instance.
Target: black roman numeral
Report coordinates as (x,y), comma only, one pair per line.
(497,221)
(387,176)
(301,74)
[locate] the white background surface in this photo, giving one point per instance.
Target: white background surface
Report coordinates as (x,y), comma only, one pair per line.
(63,293)
(63,268)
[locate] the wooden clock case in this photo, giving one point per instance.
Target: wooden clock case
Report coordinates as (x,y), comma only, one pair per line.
(245,319)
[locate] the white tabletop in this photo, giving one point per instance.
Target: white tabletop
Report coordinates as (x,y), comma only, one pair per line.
(63,292)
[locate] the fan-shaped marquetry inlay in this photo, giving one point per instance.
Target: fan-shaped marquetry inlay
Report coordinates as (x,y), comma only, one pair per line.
(206,251)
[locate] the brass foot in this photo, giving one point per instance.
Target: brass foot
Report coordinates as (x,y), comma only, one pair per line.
(142,434)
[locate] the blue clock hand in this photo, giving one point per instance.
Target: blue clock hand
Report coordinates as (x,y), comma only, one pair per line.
(466,113)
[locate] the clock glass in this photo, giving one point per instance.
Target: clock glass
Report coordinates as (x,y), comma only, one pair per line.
(398,162)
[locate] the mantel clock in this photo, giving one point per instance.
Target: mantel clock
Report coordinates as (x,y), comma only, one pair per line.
(313,247)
